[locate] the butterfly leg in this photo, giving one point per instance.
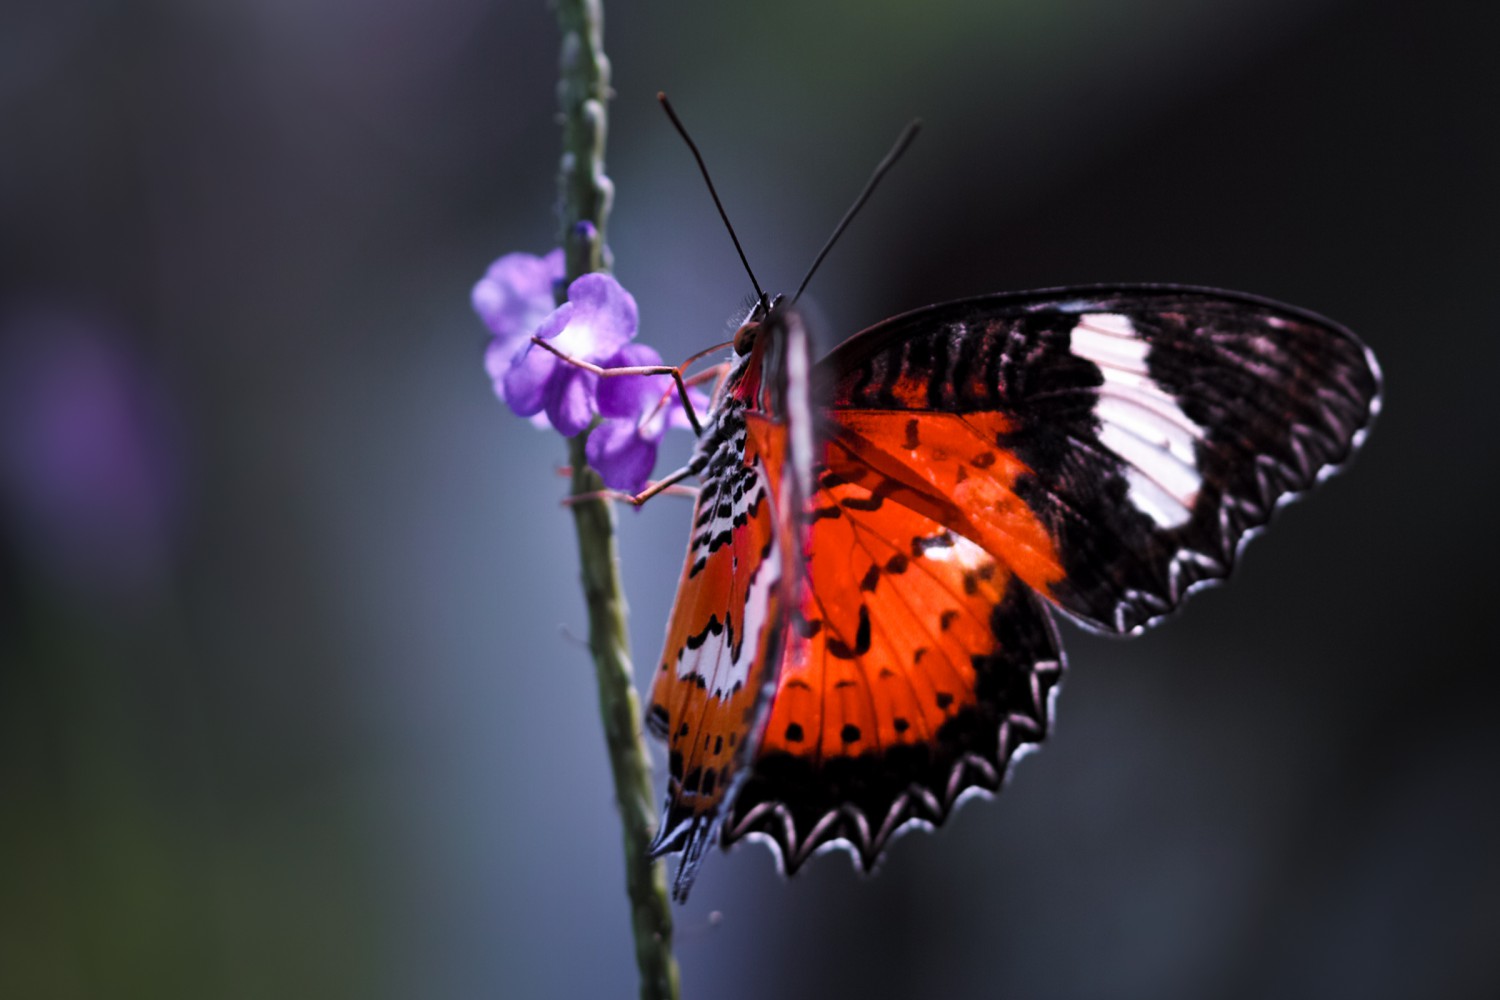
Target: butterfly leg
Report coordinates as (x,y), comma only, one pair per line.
(667,486)
(674,371)
(714,373)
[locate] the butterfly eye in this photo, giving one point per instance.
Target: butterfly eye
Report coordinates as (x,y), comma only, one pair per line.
(744,338)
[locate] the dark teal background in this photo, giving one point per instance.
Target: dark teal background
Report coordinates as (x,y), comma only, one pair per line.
(291,697)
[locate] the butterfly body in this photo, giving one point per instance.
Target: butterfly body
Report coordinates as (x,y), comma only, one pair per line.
(862,634)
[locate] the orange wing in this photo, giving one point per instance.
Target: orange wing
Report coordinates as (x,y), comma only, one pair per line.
(724,635)
(728,625)
(919,661)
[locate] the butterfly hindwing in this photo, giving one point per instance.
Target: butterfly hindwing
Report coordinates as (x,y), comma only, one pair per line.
(916,666)
(723,642)
(1157,425)
(744,566)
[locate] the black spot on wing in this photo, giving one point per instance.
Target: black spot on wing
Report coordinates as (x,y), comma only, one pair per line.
(838,648)
(875,500)
(714,627)
(921,546)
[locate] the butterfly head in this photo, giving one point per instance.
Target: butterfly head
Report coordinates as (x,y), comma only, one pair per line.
(762,315)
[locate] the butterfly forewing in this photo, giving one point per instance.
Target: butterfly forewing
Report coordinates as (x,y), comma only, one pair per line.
(1157,425)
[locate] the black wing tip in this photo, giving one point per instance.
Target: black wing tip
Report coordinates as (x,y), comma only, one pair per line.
(1350,387)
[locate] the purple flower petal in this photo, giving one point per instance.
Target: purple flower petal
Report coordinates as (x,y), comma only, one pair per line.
(516,294)
(603,320)
(570,399)
(622,456)
(553,324)
(632,396)
(499,357)
(513,298)
(524,385)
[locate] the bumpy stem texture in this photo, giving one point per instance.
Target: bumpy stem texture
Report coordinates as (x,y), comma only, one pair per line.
(585,194)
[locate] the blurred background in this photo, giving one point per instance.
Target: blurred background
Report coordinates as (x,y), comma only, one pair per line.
(292,698)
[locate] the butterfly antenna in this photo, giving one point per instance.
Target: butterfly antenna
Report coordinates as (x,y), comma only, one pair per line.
(666,106)
(902,141)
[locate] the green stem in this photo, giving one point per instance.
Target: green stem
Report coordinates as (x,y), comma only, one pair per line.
(586,194)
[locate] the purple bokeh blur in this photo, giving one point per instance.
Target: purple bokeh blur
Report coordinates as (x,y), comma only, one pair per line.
(90,458)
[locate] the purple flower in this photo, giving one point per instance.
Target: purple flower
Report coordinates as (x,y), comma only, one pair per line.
(637,409)
(596,325)
(598,319)
(512,299)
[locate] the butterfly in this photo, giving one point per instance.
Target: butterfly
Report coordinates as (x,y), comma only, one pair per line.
(864,632)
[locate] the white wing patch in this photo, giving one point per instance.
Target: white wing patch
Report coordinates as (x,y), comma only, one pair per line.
(723,669)
(733,674)
(958,549)
(725,654)
(1140,422)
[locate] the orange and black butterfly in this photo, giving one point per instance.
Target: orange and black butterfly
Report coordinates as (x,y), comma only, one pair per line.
(863,633)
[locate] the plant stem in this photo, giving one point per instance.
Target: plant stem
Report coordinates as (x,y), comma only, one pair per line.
(585,194)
